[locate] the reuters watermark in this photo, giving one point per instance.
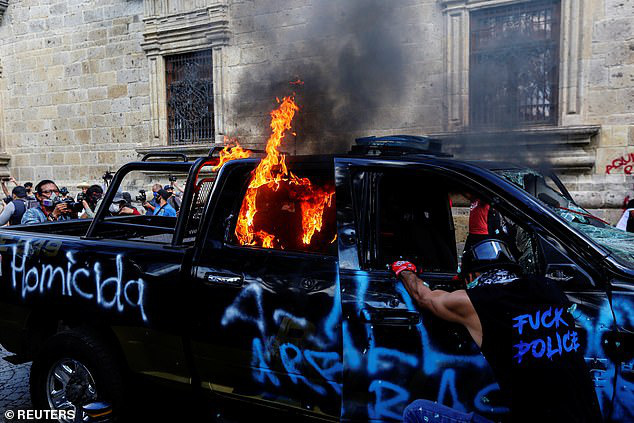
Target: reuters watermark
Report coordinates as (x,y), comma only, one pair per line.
(15,415)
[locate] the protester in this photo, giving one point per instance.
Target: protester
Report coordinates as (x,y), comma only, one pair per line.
(495,309)
(29,191)
(626,223)
(174,200)
(3,183)
(151,205)
(65,194)
(92,201)
(84,188)
(121,206)
(48,208)
(164,208)
(14,211)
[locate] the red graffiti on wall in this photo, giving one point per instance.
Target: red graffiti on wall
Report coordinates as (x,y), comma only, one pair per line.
(625,162)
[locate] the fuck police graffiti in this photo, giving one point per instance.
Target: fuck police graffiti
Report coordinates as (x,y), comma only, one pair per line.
(547,334)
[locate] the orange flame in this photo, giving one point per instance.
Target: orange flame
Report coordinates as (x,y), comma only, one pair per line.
(272,171)
(231,153)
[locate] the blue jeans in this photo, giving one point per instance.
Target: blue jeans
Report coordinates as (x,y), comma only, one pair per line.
(425,411)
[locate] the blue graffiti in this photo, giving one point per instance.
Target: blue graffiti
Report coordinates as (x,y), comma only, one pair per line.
(384,405)
(291,365)
(88,283)
(448,383)
(235,312)
(261,370)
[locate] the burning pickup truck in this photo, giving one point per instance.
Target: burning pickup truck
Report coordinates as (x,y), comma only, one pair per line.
(271,285)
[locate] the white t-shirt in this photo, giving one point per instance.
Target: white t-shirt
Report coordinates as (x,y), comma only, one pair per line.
(622,225)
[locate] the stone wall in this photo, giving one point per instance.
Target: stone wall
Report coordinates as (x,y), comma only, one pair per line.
(74,87)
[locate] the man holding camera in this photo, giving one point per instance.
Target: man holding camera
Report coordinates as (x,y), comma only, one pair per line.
(153,204)
(49,207)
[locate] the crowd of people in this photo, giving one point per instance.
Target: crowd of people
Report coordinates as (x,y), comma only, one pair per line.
(46,202)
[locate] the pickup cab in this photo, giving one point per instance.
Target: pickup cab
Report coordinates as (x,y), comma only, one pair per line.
(319,329)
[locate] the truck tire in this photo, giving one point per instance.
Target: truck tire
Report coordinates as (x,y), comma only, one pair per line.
(75,367)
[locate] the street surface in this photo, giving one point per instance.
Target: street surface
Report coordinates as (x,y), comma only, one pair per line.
(14,385)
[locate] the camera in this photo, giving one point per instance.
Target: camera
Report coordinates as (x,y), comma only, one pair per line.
(172,178)
(81,197)
(73,206)
(107,176)
(141,197)
(5,178)
(63,191)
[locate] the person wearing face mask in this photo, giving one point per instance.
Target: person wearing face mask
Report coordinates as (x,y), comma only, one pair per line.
(48,208)
(165,209)
(121,207)
(91,201)
(153,204)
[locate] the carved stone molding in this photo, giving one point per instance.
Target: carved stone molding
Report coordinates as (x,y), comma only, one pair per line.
(569,149)
(185,27)
(574,45)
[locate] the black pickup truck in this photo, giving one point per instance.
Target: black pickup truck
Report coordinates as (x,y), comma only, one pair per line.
(320,329)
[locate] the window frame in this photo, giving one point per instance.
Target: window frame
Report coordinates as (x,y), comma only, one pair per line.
(478,92)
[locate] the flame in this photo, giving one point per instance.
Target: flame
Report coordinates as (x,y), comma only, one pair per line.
(231,153)
(270,173)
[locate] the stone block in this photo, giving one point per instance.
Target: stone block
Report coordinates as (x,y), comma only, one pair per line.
(106,158)
(55,158)
(119,90)
(72,158)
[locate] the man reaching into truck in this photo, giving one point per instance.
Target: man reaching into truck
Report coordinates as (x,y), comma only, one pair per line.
(524,330)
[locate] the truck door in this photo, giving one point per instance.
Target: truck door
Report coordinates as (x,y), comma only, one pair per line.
(268,319)
(393,353)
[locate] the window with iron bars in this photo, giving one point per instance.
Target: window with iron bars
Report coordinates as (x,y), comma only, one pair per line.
(514,65)
(190,102)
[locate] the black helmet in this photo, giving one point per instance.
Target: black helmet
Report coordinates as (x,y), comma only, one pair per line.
(488,254)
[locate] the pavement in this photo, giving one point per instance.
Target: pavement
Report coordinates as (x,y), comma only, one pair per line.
(14,385)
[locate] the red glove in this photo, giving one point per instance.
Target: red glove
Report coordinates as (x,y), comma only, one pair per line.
(399,266)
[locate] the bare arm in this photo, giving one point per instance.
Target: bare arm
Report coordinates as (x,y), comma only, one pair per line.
(451,306)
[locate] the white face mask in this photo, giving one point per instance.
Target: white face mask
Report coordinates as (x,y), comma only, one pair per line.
(114,208)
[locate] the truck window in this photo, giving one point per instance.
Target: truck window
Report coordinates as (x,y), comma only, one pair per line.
(287,216)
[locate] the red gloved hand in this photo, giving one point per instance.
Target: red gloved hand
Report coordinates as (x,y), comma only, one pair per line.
(398,266)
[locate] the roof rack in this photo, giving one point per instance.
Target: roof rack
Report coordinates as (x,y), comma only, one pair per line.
(164,154)
(217,149)
(398,145)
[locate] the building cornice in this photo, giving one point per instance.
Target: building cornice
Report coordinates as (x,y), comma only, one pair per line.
(190,30)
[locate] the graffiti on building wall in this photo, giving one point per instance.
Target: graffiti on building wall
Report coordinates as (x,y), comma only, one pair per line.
(624,162)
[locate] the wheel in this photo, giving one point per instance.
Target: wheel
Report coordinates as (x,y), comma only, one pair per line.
(75,368)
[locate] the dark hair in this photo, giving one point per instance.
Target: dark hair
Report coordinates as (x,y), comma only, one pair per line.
(19,192)
(38,187)
(630,204)
(28,184)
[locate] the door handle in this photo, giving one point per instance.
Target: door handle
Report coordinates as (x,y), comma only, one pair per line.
(224,279)
(390,317)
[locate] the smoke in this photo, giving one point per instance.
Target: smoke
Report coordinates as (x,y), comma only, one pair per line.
(350,58)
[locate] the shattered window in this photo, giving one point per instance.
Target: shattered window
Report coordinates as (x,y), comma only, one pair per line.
(619,243)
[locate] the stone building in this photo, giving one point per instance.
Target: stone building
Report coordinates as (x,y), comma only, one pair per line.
(88,85)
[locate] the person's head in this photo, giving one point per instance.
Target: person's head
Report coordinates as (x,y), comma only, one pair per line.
(156,187)
(84,187)
(28,186)
(63,191)
(117,203)
(487,255)
(169,188)
(163,196)
(46,192)
(18,192)
(93,194)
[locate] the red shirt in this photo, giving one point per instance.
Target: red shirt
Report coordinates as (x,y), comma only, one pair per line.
(478,217)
